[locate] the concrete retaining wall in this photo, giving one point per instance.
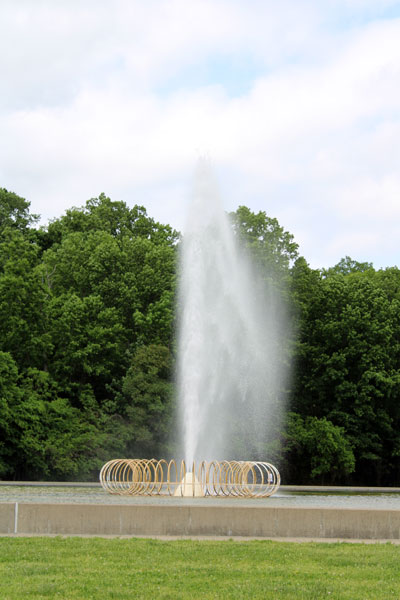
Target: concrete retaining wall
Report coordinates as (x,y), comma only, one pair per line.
(7,517)
(254,521)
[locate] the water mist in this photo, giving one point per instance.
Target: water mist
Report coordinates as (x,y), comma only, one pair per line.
(231,373)
(231,370)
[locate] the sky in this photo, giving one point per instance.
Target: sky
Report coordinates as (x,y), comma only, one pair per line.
(296,103)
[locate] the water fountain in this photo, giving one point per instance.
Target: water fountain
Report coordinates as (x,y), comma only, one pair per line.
(230,373)
(230,366)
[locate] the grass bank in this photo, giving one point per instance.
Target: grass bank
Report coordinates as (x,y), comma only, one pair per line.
(97,568)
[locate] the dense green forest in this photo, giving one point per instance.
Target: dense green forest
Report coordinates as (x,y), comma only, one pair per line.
(87,347)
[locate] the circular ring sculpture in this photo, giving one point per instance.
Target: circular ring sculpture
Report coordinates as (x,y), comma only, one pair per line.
(142,477)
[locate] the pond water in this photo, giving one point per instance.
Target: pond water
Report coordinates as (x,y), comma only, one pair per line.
(94,494)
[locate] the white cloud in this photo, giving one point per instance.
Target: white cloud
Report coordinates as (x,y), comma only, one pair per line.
(372,199)
(313,141)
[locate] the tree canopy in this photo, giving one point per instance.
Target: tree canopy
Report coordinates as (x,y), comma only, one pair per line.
(78,300)
(87,347)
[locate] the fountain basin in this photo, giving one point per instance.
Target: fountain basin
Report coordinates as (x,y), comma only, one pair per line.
(198,520)
(73,509)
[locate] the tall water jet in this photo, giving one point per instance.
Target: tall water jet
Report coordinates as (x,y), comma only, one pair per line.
(231,368)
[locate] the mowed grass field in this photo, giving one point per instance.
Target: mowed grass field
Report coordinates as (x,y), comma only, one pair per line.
(98,568)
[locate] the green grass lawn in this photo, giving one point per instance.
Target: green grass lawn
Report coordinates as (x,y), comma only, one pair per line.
(88,568)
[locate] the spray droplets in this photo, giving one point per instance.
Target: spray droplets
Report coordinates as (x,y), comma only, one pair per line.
(230,367)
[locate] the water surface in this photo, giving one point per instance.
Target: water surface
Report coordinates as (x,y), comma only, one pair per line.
(96,495)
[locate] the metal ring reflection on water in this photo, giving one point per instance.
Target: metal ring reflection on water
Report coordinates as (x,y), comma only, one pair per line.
(243,479)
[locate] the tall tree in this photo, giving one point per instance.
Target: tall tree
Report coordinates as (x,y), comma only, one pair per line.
(78,300)
(147,400)
(23,329)
(316,451)
(114,218)
(14,212)
(269,243)
(348,366)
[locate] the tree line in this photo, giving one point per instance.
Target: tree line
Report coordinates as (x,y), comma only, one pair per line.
(87,347)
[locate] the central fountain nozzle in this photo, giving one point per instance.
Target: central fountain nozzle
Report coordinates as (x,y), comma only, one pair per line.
(190,486)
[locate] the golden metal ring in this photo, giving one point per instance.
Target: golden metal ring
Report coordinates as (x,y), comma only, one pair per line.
(142,477)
